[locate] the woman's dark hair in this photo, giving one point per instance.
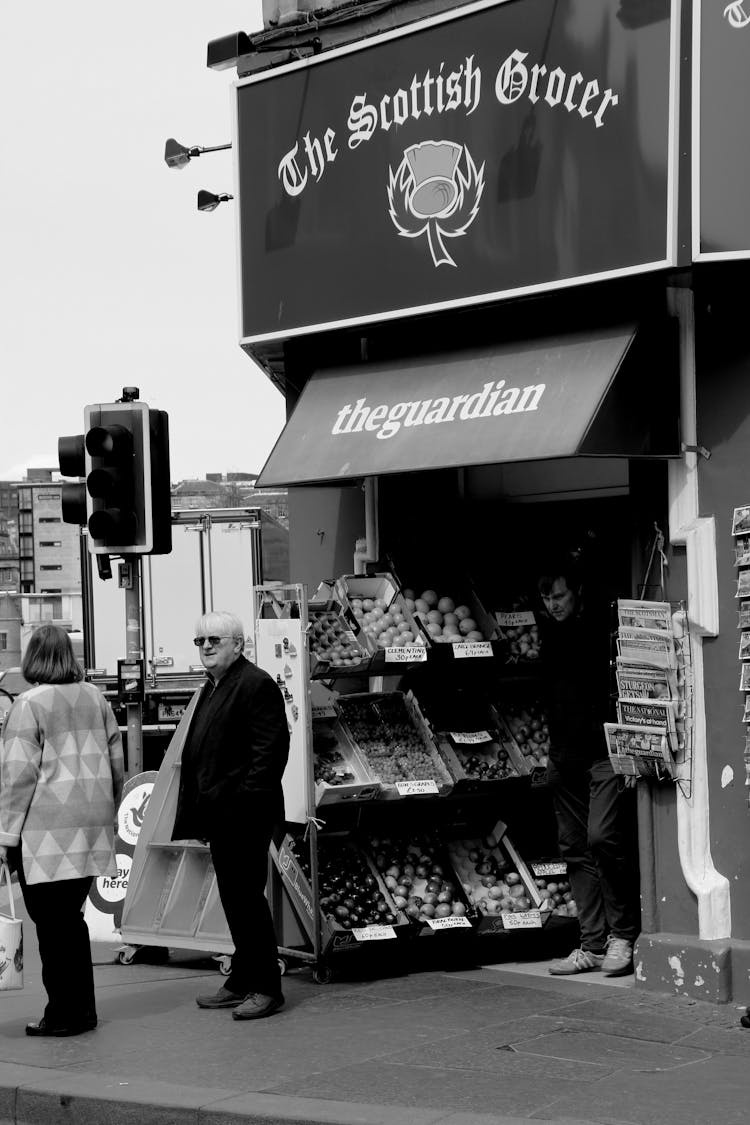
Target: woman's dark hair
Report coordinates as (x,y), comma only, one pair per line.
(50,658)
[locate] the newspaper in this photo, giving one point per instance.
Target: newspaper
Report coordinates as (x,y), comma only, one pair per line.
(742,551)
(743,584)
(659,714)
(641,682)
(644,614)
(743,618)
(652,647)
(741,520)
(639,750)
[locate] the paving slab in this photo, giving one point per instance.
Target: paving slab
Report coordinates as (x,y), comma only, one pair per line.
(711,1092)
(438,1087)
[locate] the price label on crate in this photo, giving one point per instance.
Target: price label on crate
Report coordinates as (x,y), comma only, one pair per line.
(406,654)
(540,869)
(523,920)
(454,922)
(515,618)
(464,649)
(470,738)
(374,933)
(415,788)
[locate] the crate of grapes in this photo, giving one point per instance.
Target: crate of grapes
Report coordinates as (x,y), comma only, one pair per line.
(389,731)
(340,772)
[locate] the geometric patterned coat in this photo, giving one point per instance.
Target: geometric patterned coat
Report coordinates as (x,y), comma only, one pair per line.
(61,774)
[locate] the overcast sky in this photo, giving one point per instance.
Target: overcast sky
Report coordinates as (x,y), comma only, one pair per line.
(109,276)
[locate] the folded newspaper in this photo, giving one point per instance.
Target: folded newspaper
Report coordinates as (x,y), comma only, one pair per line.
(652,647)
(657,713)
(639,750)
(644,615)
(638,681)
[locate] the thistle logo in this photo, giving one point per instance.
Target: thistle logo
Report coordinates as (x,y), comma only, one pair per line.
(435,190)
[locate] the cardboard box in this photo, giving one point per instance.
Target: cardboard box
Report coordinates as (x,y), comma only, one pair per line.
(331,744)
(420,860)
(379,588)
(335,638)
(501,857)
(551,877)
(374,721)
(334,938)
(500,759)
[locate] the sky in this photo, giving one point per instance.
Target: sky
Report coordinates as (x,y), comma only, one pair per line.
(109,275)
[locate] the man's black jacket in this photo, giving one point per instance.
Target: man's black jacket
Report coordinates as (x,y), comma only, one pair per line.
(235,753)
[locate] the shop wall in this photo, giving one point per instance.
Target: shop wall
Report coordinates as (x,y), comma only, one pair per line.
(324,525)
(723,389)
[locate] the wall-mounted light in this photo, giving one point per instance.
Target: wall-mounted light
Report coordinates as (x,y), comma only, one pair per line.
(207,201)
(223,53)
(178,156)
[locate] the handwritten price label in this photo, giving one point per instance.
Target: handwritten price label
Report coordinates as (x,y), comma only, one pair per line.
(524,920)
(540,869)
(455,922)
(464,649)
(406,654)
(415,788)
(470,738)
(374,933)
(519,617)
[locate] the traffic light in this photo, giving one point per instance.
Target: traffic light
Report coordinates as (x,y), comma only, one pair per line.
(125,501)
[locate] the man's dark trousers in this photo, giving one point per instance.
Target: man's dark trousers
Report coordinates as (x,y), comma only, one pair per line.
(239,850)
(598,840)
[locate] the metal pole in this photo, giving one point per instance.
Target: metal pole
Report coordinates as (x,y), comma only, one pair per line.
(134,651)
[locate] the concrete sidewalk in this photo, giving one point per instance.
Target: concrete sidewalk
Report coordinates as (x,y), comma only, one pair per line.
(471,1046)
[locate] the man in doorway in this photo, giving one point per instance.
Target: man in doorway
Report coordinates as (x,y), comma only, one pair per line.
(594,807)
(230,795)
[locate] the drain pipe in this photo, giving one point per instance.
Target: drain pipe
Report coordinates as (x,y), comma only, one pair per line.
(367,550)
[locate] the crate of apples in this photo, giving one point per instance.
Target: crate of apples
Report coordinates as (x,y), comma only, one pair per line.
(527,725)
(553,887)
(496,883)
(419,876)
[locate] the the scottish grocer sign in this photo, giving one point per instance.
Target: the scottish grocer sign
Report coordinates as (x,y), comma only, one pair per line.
(502,148)
(721,129)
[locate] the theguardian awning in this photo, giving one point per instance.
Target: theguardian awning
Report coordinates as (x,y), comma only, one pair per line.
(610,392)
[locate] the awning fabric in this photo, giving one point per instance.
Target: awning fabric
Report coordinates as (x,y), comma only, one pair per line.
(591,393)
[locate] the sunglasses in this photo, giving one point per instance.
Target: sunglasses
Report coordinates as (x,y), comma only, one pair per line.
(213,641)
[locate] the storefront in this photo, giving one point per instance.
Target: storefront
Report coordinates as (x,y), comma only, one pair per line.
(466,260)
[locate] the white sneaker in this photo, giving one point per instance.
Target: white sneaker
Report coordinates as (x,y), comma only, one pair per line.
(579,961)
(618,960)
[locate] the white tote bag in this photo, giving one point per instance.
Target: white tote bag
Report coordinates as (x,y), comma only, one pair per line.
(11,944)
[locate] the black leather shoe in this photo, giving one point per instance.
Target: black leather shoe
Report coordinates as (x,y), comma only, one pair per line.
(41,1027)
(257,1006)
(224,998)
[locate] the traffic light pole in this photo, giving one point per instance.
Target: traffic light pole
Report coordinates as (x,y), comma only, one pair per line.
(133,651)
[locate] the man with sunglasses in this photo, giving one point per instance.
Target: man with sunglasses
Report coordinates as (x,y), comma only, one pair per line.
(230,795)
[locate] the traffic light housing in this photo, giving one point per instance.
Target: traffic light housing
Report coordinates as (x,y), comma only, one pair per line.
(124,457)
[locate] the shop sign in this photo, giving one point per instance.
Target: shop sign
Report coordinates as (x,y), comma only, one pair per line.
(721,129)
(510,147)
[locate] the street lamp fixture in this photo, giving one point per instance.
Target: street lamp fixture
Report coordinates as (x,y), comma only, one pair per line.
(179,156)
(207,201)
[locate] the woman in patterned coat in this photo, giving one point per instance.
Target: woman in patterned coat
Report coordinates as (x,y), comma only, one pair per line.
(61,772)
